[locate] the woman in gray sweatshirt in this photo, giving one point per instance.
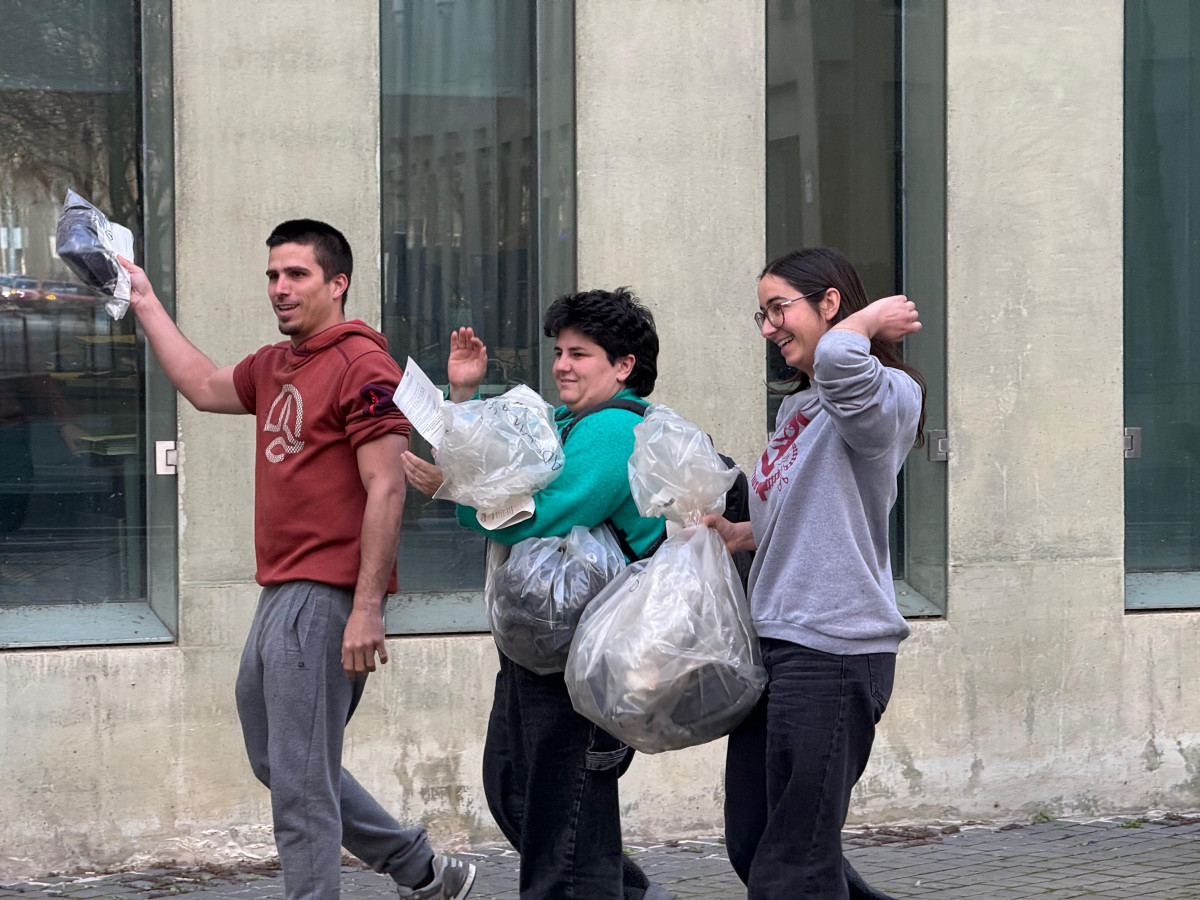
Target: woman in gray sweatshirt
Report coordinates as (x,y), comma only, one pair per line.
(821,586)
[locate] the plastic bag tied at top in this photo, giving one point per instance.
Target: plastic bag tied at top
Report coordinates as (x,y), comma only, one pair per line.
(666,656)
(498,449)
(674,470)
(536,596)
(89,243)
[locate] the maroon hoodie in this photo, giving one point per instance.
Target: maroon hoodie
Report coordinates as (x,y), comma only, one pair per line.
(315,405)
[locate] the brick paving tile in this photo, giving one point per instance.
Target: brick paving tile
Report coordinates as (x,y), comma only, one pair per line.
(1117,859)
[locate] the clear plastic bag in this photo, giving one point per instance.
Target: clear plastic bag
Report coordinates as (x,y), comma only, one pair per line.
(674,470)
(89,243)
(499,449)
(535,596)
(666,656)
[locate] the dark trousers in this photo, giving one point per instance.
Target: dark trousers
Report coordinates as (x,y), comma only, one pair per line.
(790,769)
(294,701)
(550,777)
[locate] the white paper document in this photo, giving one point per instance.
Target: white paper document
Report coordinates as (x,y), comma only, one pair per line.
(517,510)
(421,400)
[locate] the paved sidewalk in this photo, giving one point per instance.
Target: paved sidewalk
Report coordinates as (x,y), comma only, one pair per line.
(1112,859)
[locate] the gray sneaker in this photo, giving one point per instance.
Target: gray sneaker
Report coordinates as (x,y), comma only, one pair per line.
(452,880)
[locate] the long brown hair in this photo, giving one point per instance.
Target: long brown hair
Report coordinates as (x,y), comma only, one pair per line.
(811,272)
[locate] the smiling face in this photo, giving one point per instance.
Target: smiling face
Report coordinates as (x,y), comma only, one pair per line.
(803,323)
(583,373)
(304,302)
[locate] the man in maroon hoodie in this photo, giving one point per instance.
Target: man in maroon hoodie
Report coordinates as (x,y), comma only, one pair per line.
(328,495)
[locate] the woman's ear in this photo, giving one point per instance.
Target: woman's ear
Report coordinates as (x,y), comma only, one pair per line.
(830,304)
(624,366)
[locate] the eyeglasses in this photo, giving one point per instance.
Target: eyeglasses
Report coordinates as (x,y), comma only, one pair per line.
(774,312)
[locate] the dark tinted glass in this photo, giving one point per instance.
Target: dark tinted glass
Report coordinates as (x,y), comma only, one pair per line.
(72,436)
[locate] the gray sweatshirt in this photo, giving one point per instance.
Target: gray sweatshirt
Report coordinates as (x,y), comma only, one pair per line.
(819,503)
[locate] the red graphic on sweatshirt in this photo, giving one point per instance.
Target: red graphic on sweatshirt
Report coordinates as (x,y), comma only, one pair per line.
(778,456)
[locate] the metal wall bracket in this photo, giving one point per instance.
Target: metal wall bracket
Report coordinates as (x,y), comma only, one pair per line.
(166,457)
(938,444)
(1133,443)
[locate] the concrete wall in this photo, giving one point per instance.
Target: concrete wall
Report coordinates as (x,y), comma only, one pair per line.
(670,138)
(1036,693)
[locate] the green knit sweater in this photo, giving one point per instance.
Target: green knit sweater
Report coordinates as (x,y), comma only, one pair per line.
(592,486)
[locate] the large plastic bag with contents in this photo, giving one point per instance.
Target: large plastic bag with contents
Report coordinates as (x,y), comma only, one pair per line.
(535,596)
(498,450)
(89,244)
(666,656)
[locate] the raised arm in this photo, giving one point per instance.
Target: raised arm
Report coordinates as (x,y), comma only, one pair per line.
(194,375)
(872,406)
(888,319)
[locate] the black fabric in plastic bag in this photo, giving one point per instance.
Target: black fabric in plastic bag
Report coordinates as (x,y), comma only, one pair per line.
(89,243)
(698,706)
(536,596)
(81,246)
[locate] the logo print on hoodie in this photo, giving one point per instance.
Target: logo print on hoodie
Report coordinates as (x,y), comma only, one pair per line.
(285,417)
(780,454)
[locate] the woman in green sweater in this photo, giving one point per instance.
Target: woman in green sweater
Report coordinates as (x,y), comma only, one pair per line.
(549,774)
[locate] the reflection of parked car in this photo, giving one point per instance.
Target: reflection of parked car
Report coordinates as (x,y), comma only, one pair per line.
(24,289)
(67,290)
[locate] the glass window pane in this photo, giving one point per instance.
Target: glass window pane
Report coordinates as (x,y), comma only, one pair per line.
(923,237)
(855,161)
(72,385)
(1162,300)
(831,140)
(469,118)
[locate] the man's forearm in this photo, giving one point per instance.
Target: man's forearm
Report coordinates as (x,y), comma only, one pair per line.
(379,540)
(186,366)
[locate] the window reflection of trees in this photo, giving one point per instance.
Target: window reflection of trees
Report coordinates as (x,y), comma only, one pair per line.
(71,523)
(459,162)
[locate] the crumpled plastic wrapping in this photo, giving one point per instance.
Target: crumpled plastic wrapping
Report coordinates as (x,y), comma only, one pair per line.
(89,243)
(536,596)
(666,656)
(498,449)
(674,470)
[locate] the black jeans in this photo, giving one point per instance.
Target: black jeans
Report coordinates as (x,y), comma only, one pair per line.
(790,768)
(550,777)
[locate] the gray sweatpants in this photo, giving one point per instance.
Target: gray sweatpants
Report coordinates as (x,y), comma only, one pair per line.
(294,701)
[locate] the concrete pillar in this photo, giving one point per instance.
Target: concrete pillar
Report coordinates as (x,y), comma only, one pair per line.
(670,137)
(1010,705)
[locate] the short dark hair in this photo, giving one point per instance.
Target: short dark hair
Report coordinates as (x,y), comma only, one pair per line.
(330,247)
(619,323)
